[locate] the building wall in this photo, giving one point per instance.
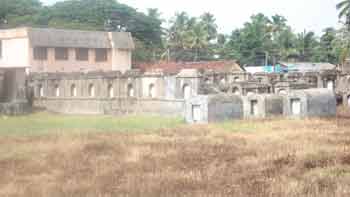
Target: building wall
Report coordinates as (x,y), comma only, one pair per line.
(70,65)
(313,103)
(45,92)
(267,105)
(15,53)
(121,60)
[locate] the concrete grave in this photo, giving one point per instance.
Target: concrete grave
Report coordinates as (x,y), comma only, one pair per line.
(262,105)
(310,103)
(213,108)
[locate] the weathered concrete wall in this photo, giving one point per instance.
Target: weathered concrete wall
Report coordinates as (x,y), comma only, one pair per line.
(310,103)
(14,108)
(54,92)
(118,106)
(121,60)
(213,108)
(69,65)
(15,53)
(262,106)
(13,99)
(13,85)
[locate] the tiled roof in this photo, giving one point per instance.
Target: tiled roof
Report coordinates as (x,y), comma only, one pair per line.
(48,37)
(173,67)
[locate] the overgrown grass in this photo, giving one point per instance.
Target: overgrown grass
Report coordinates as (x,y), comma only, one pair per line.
(277,157)
(45,123)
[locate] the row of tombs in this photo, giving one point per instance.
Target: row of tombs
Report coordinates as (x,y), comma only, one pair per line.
(298,103)
(199,96)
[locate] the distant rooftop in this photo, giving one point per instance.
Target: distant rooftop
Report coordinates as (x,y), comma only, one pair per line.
(174,67)
(308,66)
(47,37)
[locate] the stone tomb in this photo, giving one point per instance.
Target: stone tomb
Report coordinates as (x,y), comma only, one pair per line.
(310,103)
(13,99)
(213,108)
(262,106)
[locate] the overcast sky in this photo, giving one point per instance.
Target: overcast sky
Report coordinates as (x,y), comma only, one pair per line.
(313,15)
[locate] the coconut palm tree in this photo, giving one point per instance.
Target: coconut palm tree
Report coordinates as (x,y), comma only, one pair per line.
(197,39)
(207,20)
(344,8)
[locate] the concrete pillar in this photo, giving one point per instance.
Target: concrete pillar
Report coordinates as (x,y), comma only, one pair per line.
(320,82)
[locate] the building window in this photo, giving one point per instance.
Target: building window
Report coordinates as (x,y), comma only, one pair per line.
(40,91)
(100,55)
(236,79)
(73,90)
(57,91)
(110,91)
(186,90)
(91,90)
(82,54)
(152,91)
(40,53)
(61,53)
(131,92)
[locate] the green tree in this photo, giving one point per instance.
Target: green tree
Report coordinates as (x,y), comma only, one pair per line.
(344,11)
(327,51)
(306,44)
(18,12)
(196,39)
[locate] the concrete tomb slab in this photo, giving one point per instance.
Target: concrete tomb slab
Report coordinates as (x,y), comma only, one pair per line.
(310,103)
(213,108)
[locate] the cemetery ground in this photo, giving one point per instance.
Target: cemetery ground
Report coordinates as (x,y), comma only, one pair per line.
(103,156)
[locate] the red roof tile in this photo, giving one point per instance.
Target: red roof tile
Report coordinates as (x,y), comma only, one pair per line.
(177,66)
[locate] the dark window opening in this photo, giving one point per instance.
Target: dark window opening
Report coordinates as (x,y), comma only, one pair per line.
(82,54)
(100,55)
(40,53)
(61,53)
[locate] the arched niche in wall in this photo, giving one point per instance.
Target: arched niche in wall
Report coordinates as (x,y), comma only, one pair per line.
(110,91)
(73,90)
(282,91)
(236,79)
(207,81)
(130,90)
(57,90)
(235,91)
(330,84)
(222,80)
(40,90)
(186,91)
(249,93)
(92,90)
(151,91)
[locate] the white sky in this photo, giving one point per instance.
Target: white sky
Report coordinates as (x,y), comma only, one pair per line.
(313,15)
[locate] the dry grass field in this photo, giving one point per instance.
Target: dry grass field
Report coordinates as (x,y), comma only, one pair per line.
(79,157)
